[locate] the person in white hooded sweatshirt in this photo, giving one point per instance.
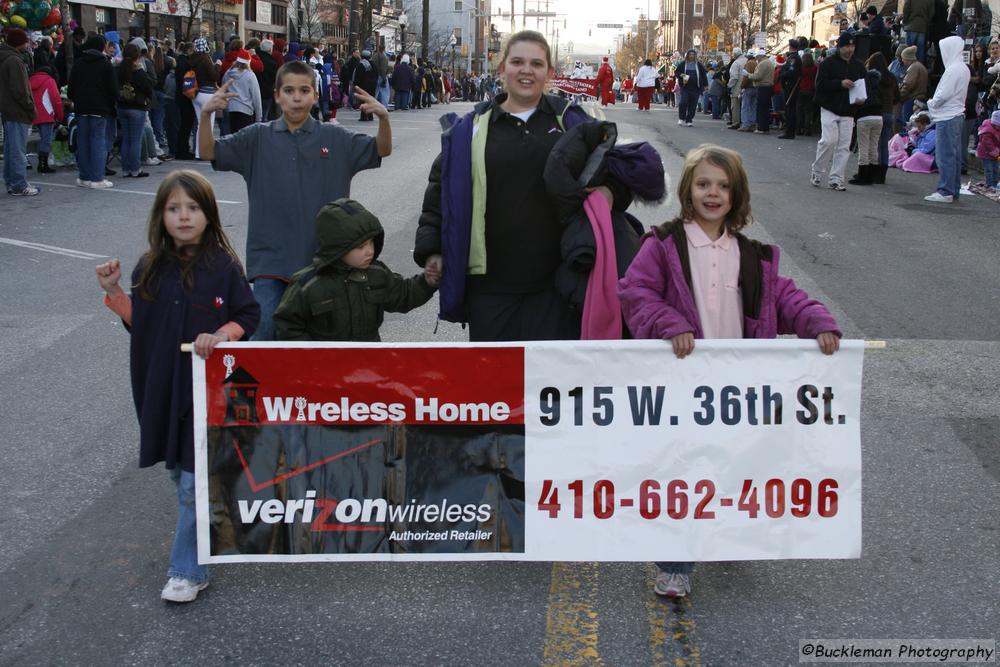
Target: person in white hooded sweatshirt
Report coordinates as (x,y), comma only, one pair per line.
(947,109)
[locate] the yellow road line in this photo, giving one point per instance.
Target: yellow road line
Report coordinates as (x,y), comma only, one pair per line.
(672,637)
(572,623)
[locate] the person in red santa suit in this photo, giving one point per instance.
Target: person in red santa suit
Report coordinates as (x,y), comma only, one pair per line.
(606,79)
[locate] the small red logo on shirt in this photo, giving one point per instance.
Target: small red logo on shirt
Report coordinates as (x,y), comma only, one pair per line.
(219,302)
(325,152)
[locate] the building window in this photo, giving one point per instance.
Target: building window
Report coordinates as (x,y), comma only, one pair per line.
(699,8)
(250,10)
(328,29)
(723,7)
(458,5)
(279,15)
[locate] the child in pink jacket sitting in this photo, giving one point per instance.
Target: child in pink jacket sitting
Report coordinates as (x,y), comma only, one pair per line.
(699,277)
(988,149)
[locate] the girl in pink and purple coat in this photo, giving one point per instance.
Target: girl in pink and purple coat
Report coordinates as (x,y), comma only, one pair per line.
(699,277)
(189,286)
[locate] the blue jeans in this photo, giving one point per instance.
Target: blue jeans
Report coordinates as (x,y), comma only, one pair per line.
(382,91)
(991,169)
(920,39)
(157,116)
(268,293)
(688,105)
(45,132)
(948,155)
(402,100)
(675,567)
(713,101)
(172,123)
(883,139)
(133,123)
(15,164)
(184,553)
(91,151)
(748,107)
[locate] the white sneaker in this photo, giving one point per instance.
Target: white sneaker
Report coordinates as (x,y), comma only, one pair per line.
(966,191)
(182,590)
(151,162)
(82,184)
(672,585)
(680,122)
(101,185)
(940,198)
(689,124)
(815,180)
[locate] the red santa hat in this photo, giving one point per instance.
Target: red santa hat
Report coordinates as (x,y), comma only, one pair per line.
(243,56)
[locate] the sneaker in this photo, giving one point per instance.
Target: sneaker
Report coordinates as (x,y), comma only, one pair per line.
(82,184)
(182,590)
(166,157)
(151,162)
(672,585)
(28,191)
(838,187)
(965,191)
(814,179)
(109,172)
(681,123)
(940,198)
(101,185)
(689,124)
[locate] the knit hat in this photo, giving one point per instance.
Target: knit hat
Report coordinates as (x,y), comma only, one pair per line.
(243,56)
(16,37)
(737,52)
(140,44)
(995,117)
(201,45)
(845,39)
(909,53)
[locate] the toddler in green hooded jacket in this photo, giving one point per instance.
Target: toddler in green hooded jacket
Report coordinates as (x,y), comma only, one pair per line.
(344,293)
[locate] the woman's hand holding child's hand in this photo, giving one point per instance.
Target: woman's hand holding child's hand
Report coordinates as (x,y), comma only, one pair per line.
(206,342)
(432,270)
(828,342)
(683,344)
(108,275)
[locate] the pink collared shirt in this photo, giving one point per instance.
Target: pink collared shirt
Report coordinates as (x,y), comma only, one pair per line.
(715,274)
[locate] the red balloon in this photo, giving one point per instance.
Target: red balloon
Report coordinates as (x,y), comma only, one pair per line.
(53,18)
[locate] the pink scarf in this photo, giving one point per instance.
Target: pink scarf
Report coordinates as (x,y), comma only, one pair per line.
(602,319)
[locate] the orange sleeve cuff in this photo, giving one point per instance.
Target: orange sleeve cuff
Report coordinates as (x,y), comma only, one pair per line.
(232,330)
(121,305)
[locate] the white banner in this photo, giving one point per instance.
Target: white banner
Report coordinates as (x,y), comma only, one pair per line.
(561,451)
(744,450)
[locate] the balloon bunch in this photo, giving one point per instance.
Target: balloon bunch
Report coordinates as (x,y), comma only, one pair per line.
(31,15)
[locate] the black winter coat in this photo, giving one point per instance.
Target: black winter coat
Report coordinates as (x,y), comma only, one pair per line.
(577,162)
(830,93)
(93,86)
(161,373)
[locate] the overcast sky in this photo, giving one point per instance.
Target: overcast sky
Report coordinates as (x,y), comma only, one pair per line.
(581,17)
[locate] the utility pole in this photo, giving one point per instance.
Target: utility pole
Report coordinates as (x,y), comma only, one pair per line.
(513,27)
(425,28)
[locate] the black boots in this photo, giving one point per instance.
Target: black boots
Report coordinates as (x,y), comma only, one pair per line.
(865,175)
(879,174)
(43,164)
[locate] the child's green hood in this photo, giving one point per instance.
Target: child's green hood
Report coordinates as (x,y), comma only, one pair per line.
(342,226)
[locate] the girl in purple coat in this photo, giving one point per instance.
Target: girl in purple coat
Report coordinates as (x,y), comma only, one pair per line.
(189,286)
(699,277)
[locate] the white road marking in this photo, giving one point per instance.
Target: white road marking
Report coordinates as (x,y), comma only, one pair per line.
(75,254)
(128,192)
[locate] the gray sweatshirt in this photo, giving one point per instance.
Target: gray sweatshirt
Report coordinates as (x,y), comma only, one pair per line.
(244,84)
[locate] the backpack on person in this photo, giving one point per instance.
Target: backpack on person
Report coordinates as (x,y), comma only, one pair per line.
(189,85)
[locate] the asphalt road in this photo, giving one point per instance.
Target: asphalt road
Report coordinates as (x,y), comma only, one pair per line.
(86,535)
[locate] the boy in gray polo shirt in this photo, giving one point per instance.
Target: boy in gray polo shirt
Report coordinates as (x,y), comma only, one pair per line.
(292,167)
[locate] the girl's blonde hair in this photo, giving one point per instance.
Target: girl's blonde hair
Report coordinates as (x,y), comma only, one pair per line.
(731,163)
(161,245)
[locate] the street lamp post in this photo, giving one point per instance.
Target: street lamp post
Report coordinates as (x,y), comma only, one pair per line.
(452,41)
(403,20)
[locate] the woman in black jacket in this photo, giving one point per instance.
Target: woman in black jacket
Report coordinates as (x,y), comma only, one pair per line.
(135,90)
